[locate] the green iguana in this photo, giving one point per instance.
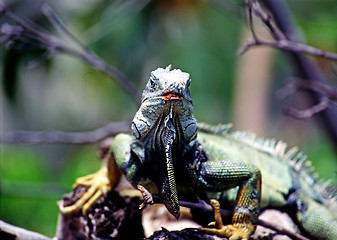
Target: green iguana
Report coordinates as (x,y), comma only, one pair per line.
(168,156)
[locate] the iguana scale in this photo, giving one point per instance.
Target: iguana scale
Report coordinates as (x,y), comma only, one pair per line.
(168,156)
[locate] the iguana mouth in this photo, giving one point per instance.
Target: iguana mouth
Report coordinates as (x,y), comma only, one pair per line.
(171,96)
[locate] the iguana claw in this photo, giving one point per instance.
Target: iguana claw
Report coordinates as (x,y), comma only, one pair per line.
(147,196)
(98,184)
(232,232)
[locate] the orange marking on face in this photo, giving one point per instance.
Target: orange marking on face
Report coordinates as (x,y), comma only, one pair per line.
(171,97)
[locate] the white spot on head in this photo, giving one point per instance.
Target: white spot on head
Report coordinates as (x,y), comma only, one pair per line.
(171,76)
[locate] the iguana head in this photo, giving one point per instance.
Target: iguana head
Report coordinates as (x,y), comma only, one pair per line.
(167,92)
(164,126)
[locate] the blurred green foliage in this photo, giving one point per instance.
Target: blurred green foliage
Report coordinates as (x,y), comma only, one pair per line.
(30,187)
(199,37)
(317,19)
(323,157)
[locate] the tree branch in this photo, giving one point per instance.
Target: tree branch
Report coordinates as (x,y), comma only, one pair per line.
(280,42)
(287,46)
(276,16)
(300,84)
(8,231)
(202,205)
(25,33)
(309,112)
(281,230)
(66,137)
(329,95)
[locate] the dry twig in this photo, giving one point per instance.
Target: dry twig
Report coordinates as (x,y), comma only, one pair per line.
(329,95)
(304,67)
(66,137)
(276,17)
(19,32)
(8,231)
(253,8)
(22,32)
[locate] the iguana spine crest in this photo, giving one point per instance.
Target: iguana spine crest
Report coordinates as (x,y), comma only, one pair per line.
(296,159)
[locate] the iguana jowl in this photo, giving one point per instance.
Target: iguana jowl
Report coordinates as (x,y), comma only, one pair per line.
(168,156)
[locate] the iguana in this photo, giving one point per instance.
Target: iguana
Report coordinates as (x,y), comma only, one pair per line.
(168,156)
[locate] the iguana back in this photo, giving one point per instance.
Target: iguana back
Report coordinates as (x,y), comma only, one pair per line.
(288,181)
(282,171)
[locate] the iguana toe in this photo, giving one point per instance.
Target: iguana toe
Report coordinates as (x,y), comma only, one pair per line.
(231,232)
(147,197)
(98,184)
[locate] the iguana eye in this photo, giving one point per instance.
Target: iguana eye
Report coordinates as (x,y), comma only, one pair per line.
(152,81)
(188,83)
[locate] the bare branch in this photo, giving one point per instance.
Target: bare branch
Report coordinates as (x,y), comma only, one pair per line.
(249,19)
(203,206)
(288,46)
(66,137)
(309,112)
(277,18)
(266,18)
(26,33)
(12,232)
(329,95)
(298,84)
(61,27)
(280,230)
(253,7)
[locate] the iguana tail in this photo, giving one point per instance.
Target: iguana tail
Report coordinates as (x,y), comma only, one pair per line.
(314,218)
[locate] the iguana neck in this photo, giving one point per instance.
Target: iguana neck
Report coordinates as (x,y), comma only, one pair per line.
(163,127)
(166,138)
(170,122)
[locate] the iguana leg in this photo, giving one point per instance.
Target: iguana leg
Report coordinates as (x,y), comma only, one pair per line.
(223,175)
(98,184)
(232,232)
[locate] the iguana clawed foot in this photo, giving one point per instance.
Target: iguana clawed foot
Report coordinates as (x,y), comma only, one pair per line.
(147,196)
(233,231)
(98,184)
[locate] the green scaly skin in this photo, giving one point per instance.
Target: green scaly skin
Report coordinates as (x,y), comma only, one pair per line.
(168,156)
(214,161)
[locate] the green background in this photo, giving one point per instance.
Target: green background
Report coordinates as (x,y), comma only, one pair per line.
(199,37)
